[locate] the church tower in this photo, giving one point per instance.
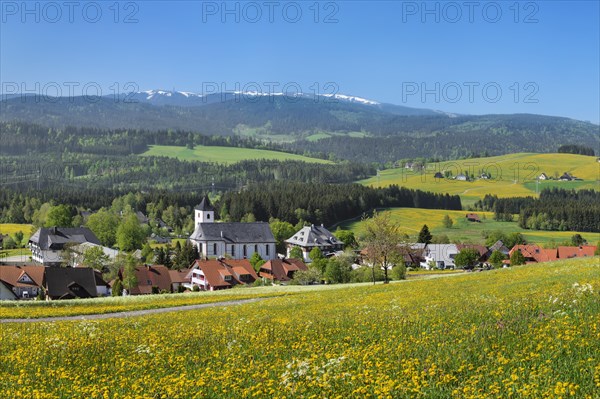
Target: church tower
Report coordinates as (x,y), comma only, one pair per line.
(204,213)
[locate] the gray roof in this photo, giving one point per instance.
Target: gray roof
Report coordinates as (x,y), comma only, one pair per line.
(313,236)
(57,237)
(205,205)
(234,233)
(68,282)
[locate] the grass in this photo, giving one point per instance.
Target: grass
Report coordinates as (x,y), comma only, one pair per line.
(12,228)
(225,155)
(512,175)
(523,332)
(412,219)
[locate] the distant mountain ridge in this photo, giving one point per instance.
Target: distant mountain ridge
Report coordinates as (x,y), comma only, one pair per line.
(349,126)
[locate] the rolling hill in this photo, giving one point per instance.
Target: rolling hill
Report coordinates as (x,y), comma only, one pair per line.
(512,175)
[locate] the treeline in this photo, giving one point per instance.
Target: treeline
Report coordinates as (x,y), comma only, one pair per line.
(92,181)
(327,204)
(20,138)
(560,209)
(556,209)
(576,149)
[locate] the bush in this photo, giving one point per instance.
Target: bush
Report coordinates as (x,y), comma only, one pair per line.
(399,272)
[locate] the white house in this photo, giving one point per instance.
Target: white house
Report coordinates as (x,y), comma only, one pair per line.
(47,244)
(440,255)
(236,240)
(313,236)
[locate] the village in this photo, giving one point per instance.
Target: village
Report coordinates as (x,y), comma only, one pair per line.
(237,254)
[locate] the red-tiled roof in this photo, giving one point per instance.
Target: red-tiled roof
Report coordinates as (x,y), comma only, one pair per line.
(473,216)
(576,252)
(179,276)
(212,269)
(15,276)
(532,251)
(479,248)
(151,276)
(281,269)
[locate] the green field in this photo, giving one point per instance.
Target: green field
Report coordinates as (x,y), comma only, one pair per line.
(523,332)
(512,175)
(225,155)
(412,219)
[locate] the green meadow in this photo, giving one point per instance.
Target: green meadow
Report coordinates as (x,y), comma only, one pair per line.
(512,175)
(225,155)
(412,219)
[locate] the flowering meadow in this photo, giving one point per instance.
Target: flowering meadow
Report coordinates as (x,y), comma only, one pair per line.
(523,332)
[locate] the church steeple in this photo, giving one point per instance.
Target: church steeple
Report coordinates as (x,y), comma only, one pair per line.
(204,213)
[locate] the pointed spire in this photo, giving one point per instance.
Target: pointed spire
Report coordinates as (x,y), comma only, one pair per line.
(205,205)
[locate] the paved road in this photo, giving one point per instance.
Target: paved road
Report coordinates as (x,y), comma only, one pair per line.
(134,313)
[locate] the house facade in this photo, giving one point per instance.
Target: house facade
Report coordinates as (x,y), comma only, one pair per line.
(439,256)
(24,282)
(234,240)
(70,282)
(310,237)
(47,244)
(281,270)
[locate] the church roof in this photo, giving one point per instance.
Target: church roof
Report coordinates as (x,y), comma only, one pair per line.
(205,205)
(234,233)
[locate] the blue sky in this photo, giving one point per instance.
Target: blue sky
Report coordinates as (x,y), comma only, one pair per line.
(491,57)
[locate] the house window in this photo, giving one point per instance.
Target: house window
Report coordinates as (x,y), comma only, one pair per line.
(255,248)
(207,216)
(227,278)
(233,250)
(245,251)
(267,250)
(215,248)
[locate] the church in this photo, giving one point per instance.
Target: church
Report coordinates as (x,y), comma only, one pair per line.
(233,240)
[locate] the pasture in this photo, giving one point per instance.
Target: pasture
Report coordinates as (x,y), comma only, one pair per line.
(524,332)
(224,155)
(412,219)
(513,175)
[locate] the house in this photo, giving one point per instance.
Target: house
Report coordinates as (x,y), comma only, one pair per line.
(566,177)
(70,283)
(162,225)
(482,250)
(23,281)
(160,240)
(473,217)
(102,287)
(236,240)
(281,270)
(143,219)
(440,256)
(438,175)
(46,244)
(543,176)
(576,252)
(151,279)
(79,252)
(533,253)
(179,279)
(218,274)
(461,177)
(497,246)
(484,176)
(310,237)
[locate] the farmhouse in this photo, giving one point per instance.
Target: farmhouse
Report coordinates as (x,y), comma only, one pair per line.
(218,274)
(310,237)
(281,270)
(566,177)
(438,175)
(533,253)
(543,176)
(461,177)
(473,217)
(23,281)
(498,246)
(440,256)
(47,243)
(236,240)
(576,252)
